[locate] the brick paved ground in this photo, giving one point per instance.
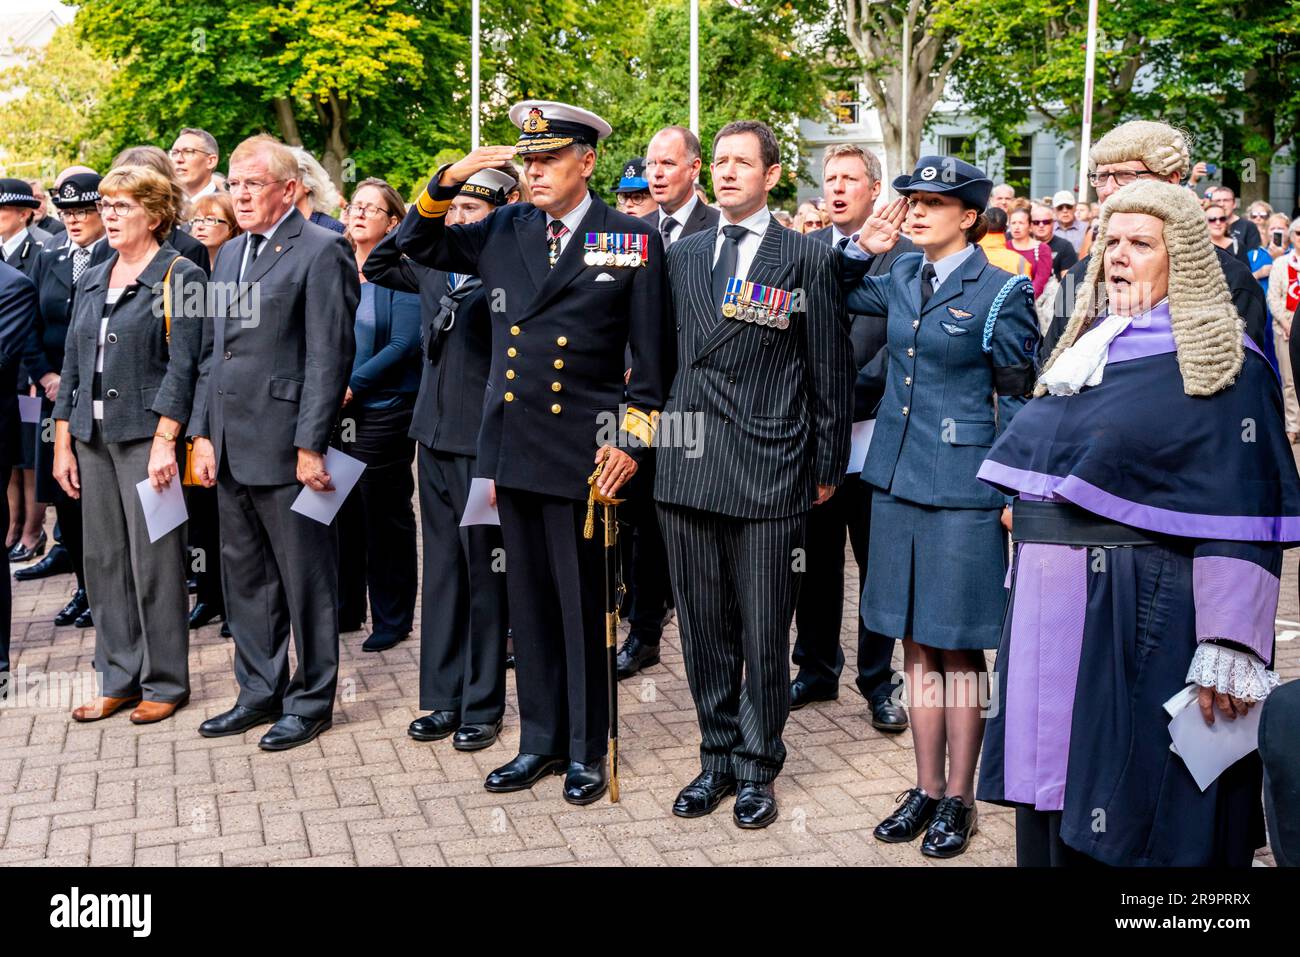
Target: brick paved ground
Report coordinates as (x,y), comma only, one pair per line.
(365,793)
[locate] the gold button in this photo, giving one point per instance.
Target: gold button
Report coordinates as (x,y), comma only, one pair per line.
(556,408)
(512,352)
(911,352)
(514,330)
(559,363)
(555,387)
(562,341)
(510,373)
(510,397)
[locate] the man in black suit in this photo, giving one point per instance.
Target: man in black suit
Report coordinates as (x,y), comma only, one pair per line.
(573,287)
(463,611)
(765,383)
(267,400)
(851,182)
(17,313)
(672,167)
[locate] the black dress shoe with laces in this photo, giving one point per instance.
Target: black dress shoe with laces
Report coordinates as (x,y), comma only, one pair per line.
(202,614)
(434,726)
(951,829)
(524,771)
(755,805)
(383,640)
(888,715)
(703,795)
(909,820)
(635,655)
(236,721)
(803,693)
(57,562)
(585,783)
(293,730)
(84,620)
(476,737)
(73,609)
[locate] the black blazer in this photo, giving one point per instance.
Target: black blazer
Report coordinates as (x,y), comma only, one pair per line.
(191,249)
(453,381)
(17,313)
(869,334)
(24,257)
(44,350)
(702,217)
(772,405)
(555,387)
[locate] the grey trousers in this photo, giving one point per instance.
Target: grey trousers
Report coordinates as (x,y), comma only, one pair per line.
(136,589)
(279,568)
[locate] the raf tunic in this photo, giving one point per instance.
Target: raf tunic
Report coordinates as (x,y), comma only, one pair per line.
(959,369)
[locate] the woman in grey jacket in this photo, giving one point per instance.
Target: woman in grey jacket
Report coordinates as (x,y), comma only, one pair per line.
(130,366)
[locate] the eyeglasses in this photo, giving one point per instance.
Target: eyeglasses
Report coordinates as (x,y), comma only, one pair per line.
(254,186)
(365,209)
(1122,177)
(1216,219)
(208,221)
(187,153)
(79,215)
(119,210)
(1259,216)
(1041,222)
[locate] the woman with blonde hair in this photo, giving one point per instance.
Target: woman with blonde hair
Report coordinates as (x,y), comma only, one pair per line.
(1148,530)
(315,195)
(1283,298)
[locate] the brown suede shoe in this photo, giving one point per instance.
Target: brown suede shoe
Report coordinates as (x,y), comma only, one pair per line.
(102,708)
(151,711)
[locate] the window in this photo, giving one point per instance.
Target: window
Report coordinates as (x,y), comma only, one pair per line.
(961,147)
(844,107)
(1019,164)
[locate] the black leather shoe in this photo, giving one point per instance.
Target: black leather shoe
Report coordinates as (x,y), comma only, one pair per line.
(635,655)
(585,783)
(57,562)
(908,821)
(202,614)
(476,737)
(84,620)
(524,771)
(951,829)
(346,625)
(888,715)
(293,730)
(21,553)
(73,609)
(755,805)
(804,693)
(225,630)
(703,795)
(434,726)
(382,640)
(236,721)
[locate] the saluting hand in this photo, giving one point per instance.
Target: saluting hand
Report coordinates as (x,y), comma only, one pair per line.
(881,231)
(480,159)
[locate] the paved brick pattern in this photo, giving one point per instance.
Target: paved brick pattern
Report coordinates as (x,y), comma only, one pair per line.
(364,793)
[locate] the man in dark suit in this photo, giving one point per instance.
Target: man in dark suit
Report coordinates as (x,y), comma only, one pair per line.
(851,181)
(266,405)
(572,285)
(463,611)
(17,313)
(672,167)
(765,383)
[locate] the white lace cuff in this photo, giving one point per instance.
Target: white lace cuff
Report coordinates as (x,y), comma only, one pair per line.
(1233,672)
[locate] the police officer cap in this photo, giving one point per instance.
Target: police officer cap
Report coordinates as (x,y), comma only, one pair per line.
(545,125)
(490,185)
(948,175)
(633,180)
(18,192)
(79,189)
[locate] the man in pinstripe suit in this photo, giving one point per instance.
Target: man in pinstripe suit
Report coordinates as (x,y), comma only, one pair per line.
(768,379)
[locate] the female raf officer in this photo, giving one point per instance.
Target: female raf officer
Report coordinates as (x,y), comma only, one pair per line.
(960,332)
(125,394)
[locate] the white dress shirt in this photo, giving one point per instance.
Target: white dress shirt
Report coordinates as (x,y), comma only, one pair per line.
(13,242)
(755,226)
(680,217)
(572,219)
(206,190)
(949,264)
(266,239)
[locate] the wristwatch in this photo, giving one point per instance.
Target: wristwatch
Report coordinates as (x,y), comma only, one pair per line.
(169,436)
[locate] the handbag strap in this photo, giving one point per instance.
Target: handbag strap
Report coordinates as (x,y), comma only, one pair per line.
(167,299)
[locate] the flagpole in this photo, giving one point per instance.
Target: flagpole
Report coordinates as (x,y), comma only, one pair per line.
(1089,70)
(695,67)
(473,76)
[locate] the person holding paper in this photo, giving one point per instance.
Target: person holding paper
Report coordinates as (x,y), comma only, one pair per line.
(126,390)
(276,363)
(1156,490)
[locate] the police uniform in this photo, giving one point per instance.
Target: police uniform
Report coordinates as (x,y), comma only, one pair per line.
(567,301)
(938,553)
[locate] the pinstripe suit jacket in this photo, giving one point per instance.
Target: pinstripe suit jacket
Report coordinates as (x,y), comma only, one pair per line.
(772,407)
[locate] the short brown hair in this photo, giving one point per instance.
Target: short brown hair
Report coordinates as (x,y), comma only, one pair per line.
(392,198)
(218,203)
(768,148)
(869,159)
(157,195)
(148,156)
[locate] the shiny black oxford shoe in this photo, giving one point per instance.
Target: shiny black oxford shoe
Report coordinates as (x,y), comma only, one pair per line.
(74,609)
(524,771)
(915,813)
(585,783)
(888,715)
(635,655)
(803,693)
(236,721)
(755,805)
(292,731)
(434,726)
(476,737)
(703,795)
(951,829)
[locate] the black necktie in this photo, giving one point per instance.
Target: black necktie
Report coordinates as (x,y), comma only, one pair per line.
(927,284)
(553,233)
(666,230)
(254,244)
(843,244)
(725,267)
